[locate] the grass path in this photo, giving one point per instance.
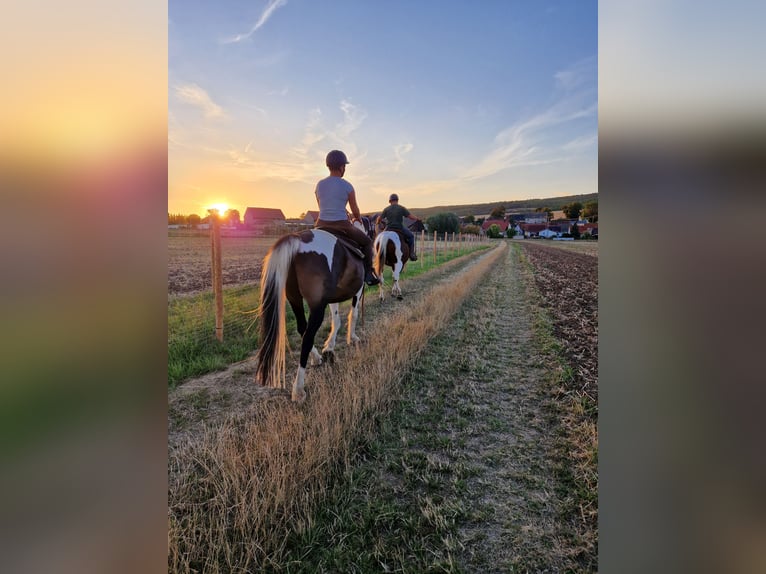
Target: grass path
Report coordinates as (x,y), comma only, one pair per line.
(464,475)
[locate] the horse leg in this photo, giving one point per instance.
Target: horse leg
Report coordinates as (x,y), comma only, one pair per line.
(329,345)
(316,316)
(296,303)
(352,317)
(396,290)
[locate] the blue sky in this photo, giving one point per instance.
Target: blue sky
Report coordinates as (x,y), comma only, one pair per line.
(442,102)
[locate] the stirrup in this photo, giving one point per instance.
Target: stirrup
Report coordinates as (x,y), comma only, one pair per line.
(371,279)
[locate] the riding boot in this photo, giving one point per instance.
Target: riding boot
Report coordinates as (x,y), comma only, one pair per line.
(413,257)
(369,276)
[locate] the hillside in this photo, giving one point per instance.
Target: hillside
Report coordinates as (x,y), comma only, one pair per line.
(555,203)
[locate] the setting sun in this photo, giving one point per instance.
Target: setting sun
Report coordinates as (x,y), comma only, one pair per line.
(220,207)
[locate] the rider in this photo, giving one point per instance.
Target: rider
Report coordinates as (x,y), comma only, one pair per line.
(394,216)
(332,193)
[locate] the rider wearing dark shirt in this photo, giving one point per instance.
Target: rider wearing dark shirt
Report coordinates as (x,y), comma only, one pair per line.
(394,216)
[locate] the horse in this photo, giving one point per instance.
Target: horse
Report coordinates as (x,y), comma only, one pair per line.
(322,269)
(390,249)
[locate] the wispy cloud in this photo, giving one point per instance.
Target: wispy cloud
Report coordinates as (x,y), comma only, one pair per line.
(265,15)
(353,116)
(400,150)
(582,73)
(580,143)
(340,136)
(283,92)
(196,96)
(313,133)
(533,140)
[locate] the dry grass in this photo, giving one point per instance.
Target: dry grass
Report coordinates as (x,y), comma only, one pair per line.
(238,492)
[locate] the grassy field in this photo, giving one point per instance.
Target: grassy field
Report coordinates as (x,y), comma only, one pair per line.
(447,441)
(192,347)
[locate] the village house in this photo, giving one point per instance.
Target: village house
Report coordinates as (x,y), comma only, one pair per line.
(311,218)
(501,224)
(262,217)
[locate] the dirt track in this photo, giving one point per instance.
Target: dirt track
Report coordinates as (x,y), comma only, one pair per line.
(490,384)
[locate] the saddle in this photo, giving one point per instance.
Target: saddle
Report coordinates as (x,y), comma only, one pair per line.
(352,246)
(400,233)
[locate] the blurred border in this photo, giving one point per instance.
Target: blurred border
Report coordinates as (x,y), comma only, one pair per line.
(83,173)
(682,150)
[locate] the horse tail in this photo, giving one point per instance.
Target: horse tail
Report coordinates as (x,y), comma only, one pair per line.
(381,244)
(271,356)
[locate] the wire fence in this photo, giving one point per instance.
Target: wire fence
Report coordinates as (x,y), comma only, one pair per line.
(199,341)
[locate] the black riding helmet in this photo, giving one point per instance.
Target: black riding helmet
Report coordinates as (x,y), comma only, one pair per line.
(393,197)
(336,159)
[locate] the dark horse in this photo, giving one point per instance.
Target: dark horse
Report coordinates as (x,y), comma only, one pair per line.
(321,269)
(390,249)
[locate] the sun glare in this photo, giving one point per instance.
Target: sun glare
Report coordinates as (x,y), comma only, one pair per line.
(219,207)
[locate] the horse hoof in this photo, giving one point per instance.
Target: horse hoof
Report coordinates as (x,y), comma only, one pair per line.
(400,297)
(328,357)
(299,397)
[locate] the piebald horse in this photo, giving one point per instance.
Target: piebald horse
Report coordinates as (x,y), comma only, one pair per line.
(390,249)
(315,266)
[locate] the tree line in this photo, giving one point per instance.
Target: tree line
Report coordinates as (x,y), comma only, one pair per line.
(230,217)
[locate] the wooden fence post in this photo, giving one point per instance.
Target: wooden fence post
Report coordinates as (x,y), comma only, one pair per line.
(421,247)
(215,242)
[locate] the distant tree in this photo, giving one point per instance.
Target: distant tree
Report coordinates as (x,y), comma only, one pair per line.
(498,212)
(193,219)
(493,231)
(510,232)
(446,222)
(590,211)
(572,210)
(575,231)
(471,229)
(176,219)
(231,217)
(469,219)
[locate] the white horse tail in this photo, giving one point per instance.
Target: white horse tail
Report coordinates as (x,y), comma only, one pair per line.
(381,244)
(271,356)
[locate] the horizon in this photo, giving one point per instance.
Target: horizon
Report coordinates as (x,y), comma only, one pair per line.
(420,107)
(242,210)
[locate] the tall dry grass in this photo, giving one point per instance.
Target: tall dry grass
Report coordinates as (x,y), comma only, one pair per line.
(238,492)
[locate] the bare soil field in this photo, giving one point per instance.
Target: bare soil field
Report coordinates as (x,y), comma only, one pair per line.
(584,247)
(189,261)
(568,283)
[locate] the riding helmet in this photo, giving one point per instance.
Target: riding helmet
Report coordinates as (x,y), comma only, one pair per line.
(393,197)
(336,159)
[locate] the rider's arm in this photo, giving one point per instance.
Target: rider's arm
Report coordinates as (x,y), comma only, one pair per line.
(354,206)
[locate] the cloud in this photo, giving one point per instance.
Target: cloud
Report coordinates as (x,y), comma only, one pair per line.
(265,15)
(339,137)
(582,73)
(283,92)
(400,150)
(313,133)
(580,143)
(353,116)
(196,96)
(532,141)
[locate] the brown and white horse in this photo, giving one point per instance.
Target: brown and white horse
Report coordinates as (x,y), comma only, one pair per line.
(317,267)
(390,249)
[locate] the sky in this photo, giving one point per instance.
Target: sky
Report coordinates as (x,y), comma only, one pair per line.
(442,102)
